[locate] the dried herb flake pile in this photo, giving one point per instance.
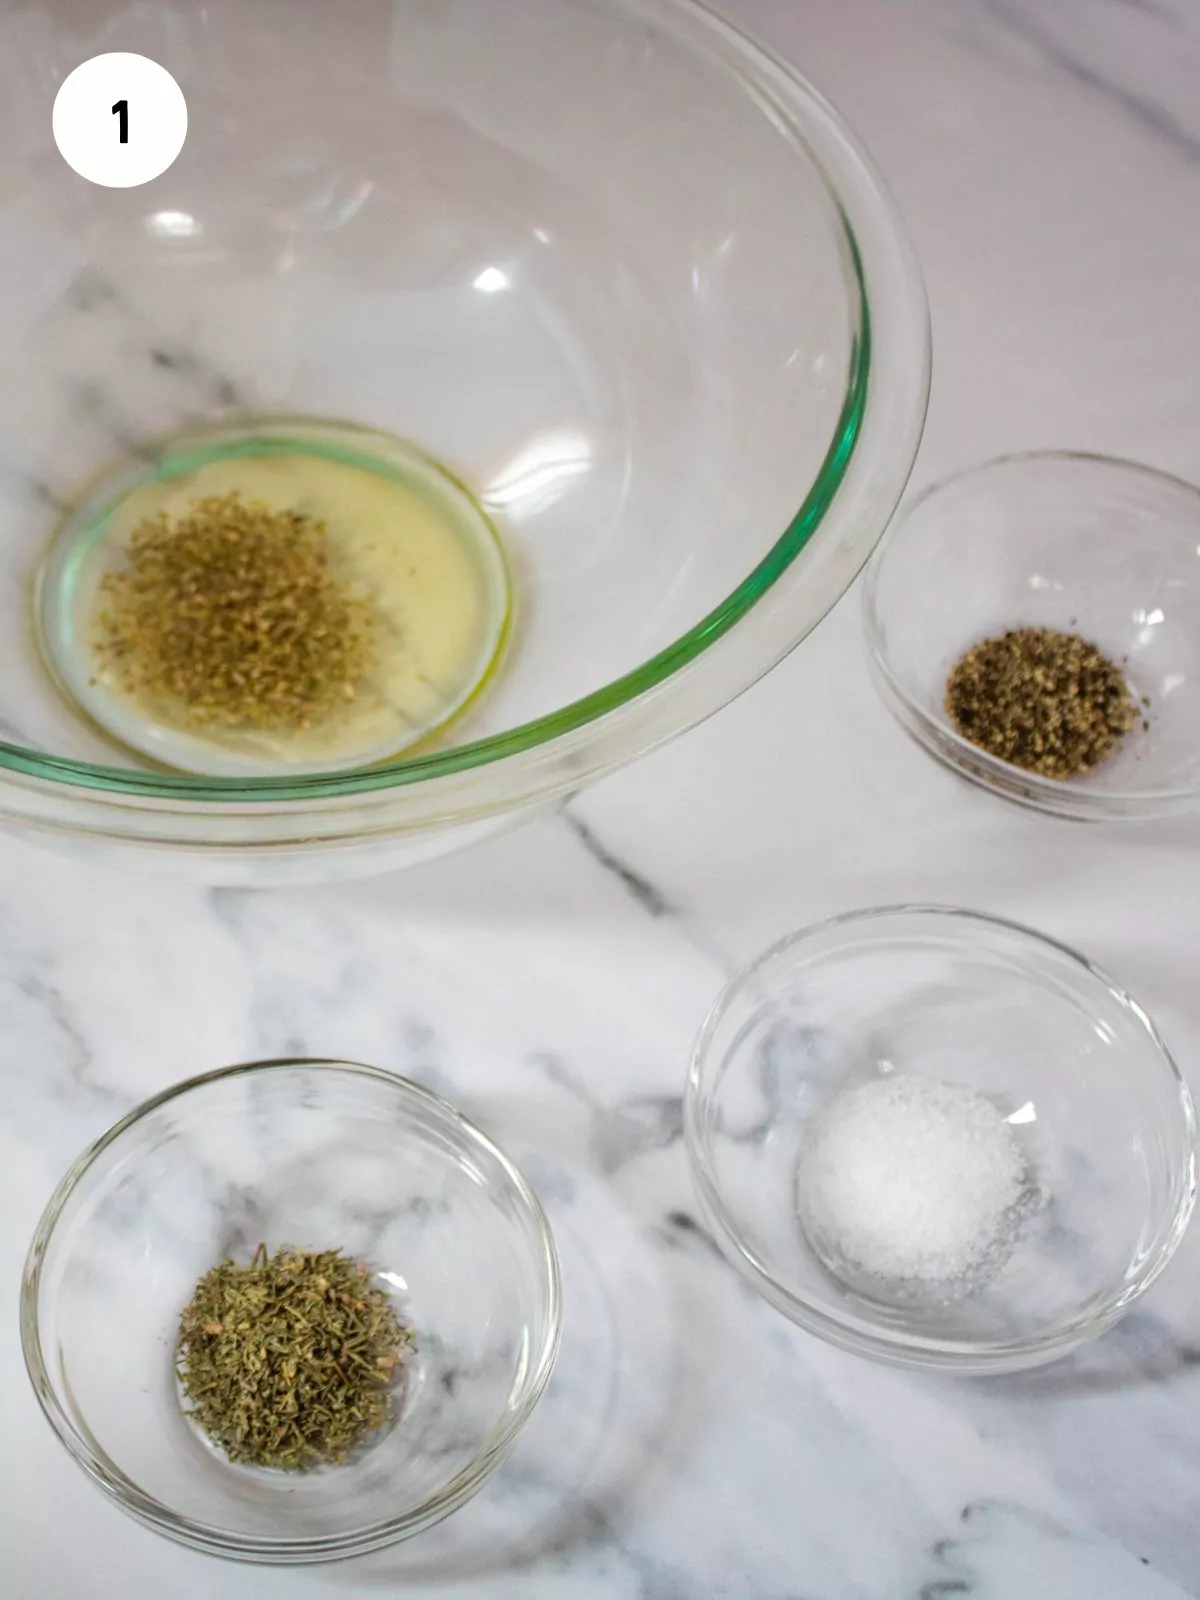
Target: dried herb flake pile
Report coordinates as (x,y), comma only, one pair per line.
(289,1362)
(1049,702)
(233,615)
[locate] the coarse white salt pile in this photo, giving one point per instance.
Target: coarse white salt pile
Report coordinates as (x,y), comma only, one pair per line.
(915,1182)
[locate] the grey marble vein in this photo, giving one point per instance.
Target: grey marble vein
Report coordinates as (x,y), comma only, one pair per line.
(638,886)
(620,1132)
(1056,34)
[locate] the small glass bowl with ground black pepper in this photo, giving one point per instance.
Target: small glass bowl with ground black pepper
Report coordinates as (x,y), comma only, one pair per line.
(1034,623)
(292,1311)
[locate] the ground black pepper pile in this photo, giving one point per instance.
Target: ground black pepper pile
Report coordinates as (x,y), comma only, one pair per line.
(1049,702)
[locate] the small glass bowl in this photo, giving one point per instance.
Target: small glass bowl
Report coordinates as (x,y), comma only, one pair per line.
(1082,544)
(318,1155)
(1105,1121)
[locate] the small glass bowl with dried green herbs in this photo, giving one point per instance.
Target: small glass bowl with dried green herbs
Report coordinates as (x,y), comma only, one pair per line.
(292,1311)
(1035,625)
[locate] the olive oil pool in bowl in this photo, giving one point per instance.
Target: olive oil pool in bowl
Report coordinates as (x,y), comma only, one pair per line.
(273,595)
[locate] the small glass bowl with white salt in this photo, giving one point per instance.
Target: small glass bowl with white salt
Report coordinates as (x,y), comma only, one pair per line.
(939,1139)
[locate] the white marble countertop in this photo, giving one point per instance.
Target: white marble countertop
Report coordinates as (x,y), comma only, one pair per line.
(1047,155)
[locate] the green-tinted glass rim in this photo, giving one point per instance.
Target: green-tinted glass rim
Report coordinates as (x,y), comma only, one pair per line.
(567,719)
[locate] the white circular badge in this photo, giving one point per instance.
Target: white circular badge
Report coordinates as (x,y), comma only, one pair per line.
(119,120)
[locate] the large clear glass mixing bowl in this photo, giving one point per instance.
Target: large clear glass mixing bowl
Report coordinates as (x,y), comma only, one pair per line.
(628,277)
